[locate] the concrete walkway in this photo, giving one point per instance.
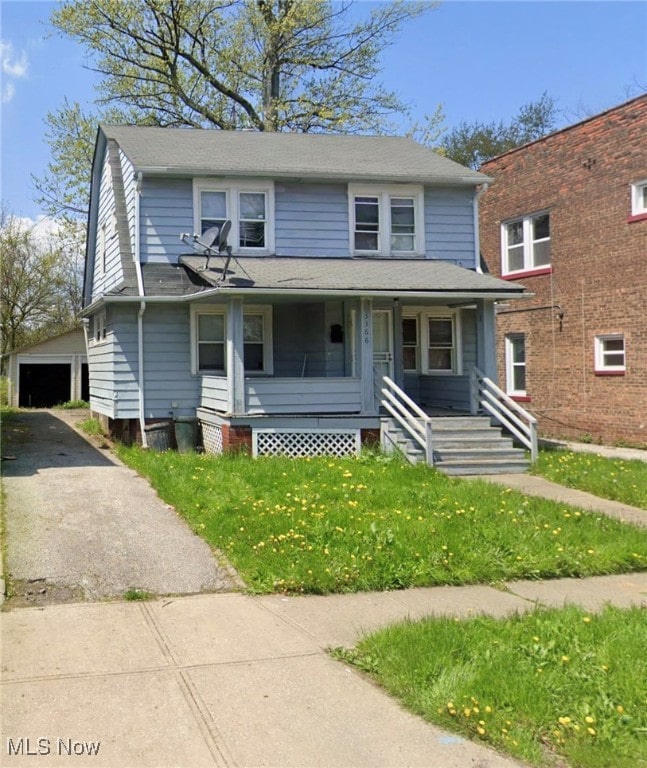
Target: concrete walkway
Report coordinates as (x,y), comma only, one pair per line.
(533,485)
(217,679)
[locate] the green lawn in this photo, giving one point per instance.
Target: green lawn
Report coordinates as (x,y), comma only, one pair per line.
(617,479)
(331,525)
(545,685)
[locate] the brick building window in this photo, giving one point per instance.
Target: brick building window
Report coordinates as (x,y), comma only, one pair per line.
(639,198)
(610,354)
(526,243)
(515,364)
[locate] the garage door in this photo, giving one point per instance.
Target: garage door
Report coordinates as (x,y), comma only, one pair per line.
(43,385)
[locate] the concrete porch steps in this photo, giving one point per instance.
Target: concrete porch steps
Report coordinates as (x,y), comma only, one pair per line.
(462,445)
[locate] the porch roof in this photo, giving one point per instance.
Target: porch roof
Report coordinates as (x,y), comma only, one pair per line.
(293,275)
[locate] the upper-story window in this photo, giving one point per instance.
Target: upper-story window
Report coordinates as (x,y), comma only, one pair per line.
(387,221)
(526,243)
(248,205)
(639,198)
(101,249)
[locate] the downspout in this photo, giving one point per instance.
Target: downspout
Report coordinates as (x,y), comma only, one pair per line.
(477,237)
(85,322)
(140,315)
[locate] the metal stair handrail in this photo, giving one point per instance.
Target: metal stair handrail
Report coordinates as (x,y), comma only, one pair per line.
(409,415)
(506,411)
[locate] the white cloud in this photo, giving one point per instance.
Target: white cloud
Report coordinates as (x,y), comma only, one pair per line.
(44,228)
(13,66)
(8,92)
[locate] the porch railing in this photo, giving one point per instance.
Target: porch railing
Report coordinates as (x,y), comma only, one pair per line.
(507,412)
(409,415)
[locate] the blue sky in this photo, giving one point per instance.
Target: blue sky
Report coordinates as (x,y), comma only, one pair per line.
(480,60)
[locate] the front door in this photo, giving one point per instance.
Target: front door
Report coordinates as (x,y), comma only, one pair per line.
(382,350)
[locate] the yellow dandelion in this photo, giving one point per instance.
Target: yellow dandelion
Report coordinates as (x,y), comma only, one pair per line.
(589,719)
(620,709)
(591,731)
(586,619)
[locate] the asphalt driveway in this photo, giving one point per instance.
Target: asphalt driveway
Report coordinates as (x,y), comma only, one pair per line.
(82,526)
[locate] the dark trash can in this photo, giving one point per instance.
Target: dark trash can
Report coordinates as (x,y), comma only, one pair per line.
(158,436)
(186,434)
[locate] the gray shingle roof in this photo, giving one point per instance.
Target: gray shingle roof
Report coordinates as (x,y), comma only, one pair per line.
(286,155)
(374,276)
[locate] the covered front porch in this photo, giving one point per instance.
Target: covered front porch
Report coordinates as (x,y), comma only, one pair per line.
(302,339)
(298,358)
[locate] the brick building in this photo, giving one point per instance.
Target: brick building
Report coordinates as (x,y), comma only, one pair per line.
(567,217)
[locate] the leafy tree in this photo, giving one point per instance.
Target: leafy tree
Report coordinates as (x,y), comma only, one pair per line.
(299,65)
(40,288)
(267,65)
(471,144)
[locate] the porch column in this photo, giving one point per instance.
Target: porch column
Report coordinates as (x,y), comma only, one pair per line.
(366,355)
(235,357)
(486,338)
(398,363)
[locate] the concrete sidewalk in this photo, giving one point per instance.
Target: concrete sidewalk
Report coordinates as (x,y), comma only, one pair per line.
(235,680)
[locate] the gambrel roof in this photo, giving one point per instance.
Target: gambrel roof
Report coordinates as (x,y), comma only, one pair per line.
(209,152)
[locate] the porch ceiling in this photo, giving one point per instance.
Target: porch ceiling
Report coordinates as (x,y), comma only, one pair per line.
(291,275)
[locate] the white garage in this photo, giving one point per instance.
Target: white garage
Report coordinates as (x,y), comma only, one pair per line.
(49,373)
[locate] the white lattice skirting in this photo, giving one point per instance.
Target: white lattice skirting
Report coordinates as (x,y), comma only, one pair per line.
(295,443)
(211,438)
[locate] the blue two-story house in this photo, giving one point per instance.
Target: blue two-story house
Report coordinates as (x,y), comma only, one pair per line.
(335,261)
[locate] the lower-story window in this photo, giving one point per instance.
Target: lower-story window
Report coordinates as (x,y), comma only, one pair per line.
(210,337)
(430,343)
(610,353)
(410,344)
(441,351)
(515,363)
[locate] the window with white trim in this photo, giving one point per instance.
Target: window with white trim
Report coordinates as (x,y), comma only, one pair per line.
(101,249)
(639,198)
(386,221)
(515,363)
(610,353)
(209,331)
(431,342)
(526,243)
(410,344)
(210,340)
(441,349)
(248,205)
(99,327)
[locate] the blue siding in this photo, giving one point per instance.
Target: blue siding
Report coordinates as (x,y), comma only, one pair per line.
(166,210)
(113,366)
(171,388)
(449,225)
(311,219)
(113,274)
(468,331)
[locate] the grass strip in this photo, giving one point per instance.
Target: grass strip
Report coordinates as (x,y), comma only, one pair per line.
(616,479)
(344,525)
(552,684)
